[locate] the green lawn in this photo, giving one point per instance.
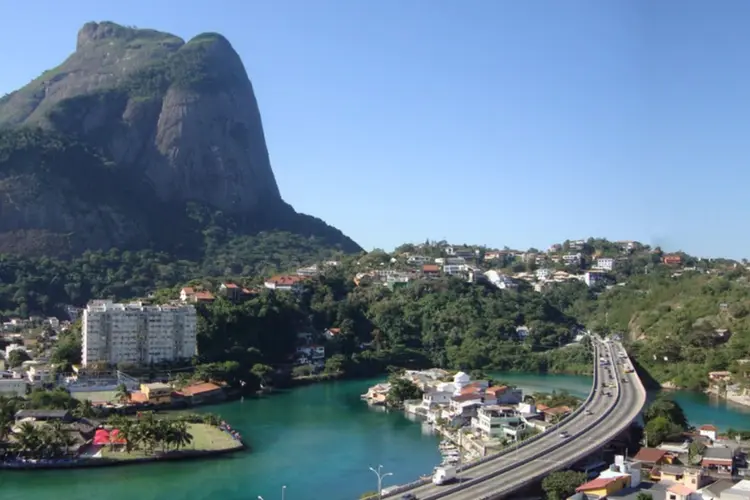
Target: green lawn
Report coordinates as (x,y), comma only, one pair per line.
(205,438)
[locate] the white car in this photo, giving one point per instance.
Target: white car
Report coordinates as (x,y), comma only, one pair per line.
(564,435)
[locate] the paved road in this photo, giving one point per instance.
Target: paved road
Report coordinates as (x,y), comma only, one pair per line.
(565,453)
(599,404)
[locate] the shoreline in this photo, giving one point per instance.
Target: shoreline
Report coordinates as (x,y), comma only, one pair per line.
(734,398)
(114,462)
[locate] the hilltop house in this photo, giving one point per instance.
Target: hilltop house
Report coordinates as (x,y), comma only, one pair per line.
(285,283)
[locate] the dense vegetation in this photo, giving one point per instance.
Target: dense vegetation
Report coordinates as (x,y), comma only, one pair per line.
(446,323)
(670,323)
(43,286)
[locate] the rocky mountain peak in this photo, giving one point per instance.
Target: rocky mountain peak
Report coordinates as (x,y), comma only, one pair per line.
(179,119)
(94,33)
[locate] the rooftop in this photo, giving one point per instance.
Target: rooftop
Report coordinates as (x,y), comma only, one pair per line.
(596,484)
(680,489)
(42,414)
(196,389)
(650,455)
(718,453)
(157,386)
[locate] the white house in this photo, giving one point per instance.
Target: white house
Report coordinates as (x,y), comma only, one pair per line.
(417,260)
(492,421)
(311,353)
(572,258)
(591,278)
(522,332)
(13,386)
(605,263)
(39,374)
(543,273)
(460,380)
(454,268)
(709,431)
(431,398)
(286,283)
(501,281)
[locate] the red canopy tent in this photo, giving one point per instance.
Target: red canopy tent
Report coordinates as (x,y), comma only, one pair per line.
(102,437)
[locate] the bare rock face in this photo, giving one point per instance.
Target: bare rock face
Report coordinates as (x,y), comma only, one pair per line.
(175,124)
(183,114)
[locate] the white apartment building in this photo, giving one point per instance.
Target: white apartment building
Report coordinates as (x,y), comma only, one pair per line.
(136,333)
(605,263)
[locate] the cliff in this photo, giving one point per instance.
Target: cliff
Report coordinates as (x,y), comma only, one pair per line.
(159,125)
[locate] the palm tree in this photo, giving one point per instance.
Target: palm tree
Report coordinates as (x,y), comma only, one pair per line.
(182,436)
(122,394)
(28,440)
(85,409)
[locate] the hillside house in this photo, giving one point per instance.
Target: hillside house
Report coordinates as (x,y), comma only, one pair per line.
(672,260)
(192,296)
(285,283)
(431,270)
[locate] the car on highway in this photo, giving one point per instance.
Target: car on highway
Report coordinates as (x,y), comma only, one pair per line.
(589,412)
(409,496)
(564,434)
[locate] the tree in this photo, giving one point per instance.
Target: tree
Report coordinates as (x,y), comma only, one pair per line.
(17,357)
(122,393)
(660,429)
(644,496)
(402,390)
(668,409)
(561,485)
(262,372)
(335,364)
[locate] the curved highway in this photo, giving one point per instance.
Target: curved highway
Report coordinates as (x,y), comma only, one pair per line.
(601,419)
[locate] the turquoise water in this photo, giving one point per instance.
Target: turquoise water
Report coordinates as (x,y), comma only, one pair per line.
(318,441)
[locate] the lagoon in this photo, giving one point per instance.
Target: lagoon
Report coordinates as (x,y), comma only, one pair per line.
(317,440)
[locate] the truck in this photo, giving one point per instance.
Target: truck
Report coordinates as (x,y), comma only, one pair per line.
(445,474)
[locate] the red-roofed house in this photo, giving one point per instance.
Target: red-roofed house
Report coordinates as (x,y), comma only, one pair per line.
(650,457)
(555,414)
(287,283)
(503,395)
(709,431)
(431,270)
(332,332)
(679,492)
(476,388)
(603,486)
(189,294)
(198,393)
(672,259)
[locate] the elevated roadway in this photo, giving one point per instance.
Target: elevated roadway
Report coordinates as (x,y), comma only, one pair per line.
(606,413)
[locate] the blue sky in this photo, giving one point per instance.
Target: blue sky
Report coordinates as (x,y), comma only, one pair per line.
(490,121)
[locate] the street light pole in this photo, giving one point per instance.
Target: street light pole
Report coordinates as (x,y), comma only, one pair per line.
(380,479)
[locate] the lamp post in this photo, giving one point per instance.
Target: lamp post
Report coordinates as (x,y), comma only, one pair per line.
(380,475)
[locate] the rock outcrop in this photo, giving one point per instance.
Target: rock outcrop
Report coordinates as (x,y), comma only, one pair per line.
(176,123)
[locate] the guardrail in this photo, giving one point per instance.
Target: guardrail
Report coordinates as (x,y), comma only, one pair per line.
(561,464)
(539,454)
(422,482)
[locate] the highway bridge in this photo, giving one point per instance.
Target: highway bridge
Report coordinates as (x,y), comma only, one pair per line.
(615,401)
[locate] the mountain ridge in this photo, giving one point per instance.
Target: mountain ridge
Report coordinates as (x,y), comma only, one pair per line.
(177,123)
